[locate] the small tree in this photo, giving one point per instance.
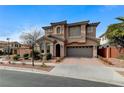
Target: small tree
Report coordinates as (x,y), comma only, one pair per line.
(30,38)
(42,41)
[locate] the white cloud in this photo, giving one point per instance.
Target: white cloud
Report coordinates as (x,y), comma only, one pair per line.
(15,35)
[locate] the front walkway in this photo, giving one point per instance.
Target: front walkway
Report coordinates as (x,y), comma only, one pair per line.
(87,68)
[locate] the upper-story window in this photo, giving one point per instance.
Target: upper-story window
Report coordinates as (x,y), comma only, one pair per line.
(90,29)
(74,31)
(58,30)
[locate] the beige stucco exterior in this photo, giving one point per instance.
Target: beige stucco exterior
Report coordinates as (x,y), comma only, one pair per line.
(60,41)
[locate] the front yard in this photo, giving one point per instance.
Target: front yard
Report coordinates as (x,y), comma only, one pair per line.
(27,63)
(37,67)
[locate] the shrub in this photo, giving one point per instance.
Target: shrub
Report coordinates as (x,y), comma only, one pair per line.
(36,55)
(26,56)
(16,57)
(1,52)
(49,56)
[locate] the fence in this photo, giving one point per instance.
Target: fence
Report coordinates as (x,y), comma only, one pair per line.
(110,52)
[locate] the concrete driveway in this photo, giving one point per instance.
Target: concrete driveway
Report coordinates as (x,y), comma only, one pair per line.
(87,68)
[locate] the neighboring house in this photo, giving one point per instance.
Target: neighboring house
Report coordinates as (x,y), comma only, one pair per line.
(106,50)
(14,48)
(71,39)
(11,47)
(103,39)
(24,49)
(3,44)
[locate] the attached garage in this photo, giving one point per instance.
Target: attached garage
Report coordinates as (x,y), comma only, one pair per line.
(80,51)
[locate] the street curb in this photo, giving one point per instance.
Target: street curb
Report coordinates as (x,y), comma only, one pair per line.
(95,80)
(29,70)
(23,69)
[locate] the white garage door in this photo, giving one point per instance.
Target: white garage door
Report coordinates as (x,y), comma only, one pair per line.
(80,51)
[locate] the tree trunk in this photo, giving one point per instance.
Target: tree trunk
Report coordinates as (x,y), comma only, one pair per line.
(45,54)
(33,55)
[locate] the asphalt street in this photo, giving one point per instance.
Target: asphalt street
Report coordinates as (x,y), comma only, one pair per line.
(25,79)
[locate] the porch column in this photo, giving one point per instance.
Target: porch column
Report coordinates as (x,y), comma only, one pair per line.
(62,50)
(52,49)
(94,51)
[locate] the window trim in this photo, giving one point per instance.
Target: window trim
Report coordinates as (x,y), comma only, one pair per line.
(74,36)
(57,29)
(91,29)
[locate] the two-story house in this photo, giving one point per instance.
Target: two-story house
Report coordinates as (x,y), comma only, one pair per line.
(103,40)
(12,46)
(107,50)
(71,39)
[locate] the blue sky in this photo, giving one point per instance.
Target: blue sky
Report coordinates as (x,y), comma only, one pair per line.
(13,19)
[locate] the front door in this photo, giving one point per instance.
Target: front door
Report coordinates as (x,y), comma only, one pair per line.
(58,50)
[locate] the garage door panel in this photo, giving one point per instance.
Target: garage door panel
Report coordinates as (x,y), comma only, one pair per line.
(80,52)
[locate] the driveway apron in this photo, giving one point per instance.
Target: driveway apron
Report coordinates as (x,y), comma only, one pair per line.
(86,68)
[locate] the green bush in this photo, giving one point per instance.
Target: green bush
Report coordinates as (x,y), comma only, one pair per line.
(26,56)
(49,56)
(1,52)
(16,57)
(37,55)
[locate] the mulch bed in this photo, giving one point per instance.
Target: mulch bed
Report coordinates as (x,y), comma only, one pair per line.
(38,67)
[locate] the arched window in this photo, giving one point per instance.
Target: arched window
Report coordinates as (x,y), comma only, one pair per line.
(58,30)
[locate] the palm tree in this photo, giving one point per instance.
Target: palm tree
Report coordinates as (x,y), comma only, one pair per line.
(115,33)
(120,18)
